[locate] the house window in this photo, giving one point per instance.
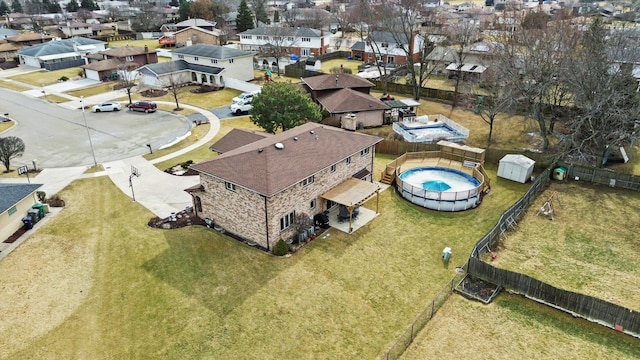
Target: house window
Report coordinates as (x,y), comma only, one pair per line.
(349,160)
(364,152)
(230,61)
(12,210)
(306,39)
(385,45)
(307,181)
(287,220)
(305,52)
(312,204)
(390,60)
(195,58)
(259,37)
(214,61)
(230,186)
(247,37)
(333,168)
(290,38)
(180,56)
(129,58)
(198,203)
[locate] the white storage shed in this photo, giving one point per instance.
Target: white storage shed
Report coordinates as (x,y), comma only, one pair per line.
(516,167)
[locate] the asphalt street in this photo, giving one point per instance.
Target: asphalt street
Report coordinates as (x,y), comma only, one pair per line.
(56,136)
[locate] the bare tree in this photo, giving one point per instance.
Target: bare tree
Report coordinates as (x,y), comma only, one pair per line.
(533,62)
(607,104)
(498,100)
(127,77)
(11,147)
(280,40)
(461,35)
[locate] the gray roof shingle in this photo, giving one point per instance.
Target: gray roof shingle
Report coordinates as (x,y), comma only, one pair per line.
(176,66)
(11,194)
(283,31)
(57,47)
(212,51)
(265,169)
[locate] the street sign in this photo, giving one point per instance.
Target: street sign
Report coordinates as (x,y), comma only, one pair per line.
(23,170)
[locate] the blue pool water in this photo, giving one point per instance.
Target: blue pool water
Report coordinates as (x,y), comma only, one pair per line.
(439,179)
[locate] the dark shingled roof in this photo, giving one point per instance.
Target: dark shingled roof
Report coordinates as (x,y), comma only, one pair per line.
(211,51)
(308,148)
(176,66)
(127,51)
(11,194)
(325,82)
(347,100)
(235,139)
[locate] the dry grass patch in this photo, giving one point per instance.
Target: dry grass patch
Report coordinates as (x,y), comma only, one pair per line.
(94,169)
(12,85)
(513,327)
(44,77)
(210,100)
(57,99)
(93,90)
(6,125)
(197,132)
(151,43)
(335,63)
(591,247)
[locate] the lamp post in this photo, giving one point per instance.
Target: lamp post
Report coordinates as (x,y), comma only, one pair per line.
(95,163)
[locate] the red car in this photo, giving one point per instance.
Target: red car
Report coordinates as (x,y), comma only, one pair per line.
(146,106)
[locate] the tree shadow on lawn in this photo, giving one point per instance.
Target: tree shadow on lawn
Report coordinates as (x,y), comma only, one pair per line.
(219,272)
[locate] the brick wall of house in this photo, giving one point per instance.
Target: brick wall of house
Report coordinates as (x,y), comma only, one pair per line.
(201,38)
(298,197)
(242,211)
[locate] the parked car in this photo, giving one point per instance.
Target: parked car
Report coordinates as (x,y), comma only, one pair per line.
(241,107)
(146,106)
(107,106)
(244,97)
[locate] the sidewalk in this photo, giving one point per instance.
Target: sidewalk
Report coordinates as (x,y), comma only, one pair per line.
(156,190)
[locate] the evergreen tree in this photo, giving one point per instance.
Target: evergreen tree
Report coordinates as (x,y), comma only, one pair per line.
(72,6)
(16,6)
(244,20)
(4,8)
(261,13)
(184,10)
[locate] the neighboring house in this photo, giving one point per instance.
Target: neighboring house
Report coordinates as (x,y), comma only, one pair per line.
(237,138)
(197,35)
(102,30)
(5,33)
(137,54)
(106,70)
(346,98)
(168,29)
(15,201)
(303,42)
(256,191)
(200,64)
(386,47)
(201,23)
(60,54)
(475,58)
(8,51)
(71,29)
(28,39)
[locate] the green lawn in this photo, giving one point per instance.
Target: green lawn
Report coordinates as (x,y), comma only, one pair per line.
(123,290)
(44,77)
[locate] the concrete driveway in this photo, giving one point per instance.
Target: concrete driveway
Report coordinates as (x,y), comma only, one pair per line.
(57,137)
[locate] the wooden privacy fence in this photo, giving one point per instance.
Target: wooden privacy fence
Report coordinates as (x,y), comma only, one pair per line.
(601,176)
(588,307)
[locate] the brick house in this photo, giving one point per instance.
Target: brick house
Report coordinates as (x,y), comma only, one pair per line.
(197,35)
(346,98)
(256,190)
(102,65)
(303,42)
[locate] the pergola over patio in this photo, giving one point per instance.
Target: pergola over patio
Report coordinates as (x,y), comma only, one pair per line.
(352,193)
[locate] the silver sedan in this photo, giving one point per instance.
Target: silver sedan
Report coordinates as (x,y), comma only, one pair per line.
(107,106)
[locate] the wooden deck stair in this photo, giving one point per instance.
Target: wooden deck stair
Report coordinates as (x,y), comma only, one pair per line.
(387,178)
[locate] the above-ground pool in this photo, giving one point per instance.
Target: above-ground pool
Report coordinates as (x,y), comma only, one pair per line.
(440,188)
